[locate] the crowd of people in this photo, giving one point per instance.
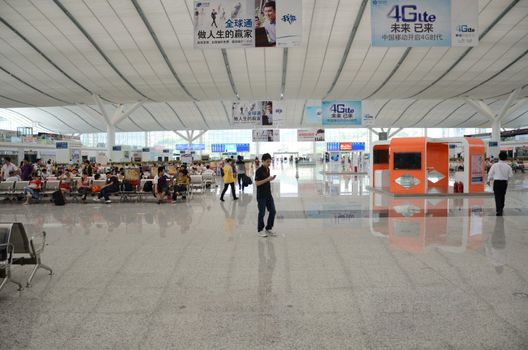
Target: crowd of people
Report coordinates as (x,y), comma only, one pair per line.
(170,180)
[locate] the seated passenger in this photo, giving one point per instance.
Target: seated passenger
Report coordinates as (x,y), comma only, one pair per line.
(32,191)
(161,185)
(208,170)
(112,186)
(83,186)
(66,179)
(181,185)
(13,176)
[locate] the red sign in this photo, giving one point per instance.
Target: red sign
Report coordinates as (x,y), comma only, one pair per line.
(345,146)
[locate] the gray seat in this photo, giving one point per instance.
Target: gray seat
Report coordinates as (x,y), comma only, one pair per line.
(17,249)
(6,188)
(19,187)
(51,186)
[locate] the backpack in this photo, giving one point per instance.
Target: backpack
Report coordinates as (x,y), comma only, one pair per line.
(147,187)
(246,181)
(58,198)
(127,187)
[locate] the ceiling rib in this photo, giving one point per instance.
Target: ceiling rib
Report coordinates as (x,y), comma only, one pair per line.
(400,62)
(353,33)
(32,121)
(482,35)
(161,49)
(200,111)
(17,101)
(229,74)
(176,114)
(84,120)
(284,71)
(496,74)
(59,119)
(94,44)
(32,87)
(153,117)
(44,55)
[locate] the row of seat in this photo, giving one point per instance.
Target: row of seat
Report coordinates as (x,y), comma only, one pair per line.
(14,189)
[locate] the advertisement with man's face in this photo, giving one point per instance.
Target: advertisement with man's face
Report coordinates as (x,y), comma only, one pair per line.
(266,135)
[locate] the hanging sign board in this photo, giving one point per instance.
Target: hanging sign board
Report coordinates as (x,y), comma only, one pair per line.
(266,135)
(224,24)
(424,23)
(341,113)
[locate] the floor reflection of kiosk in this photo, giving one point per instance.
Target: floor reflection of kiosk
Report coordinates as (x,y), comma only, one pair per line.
(419,165)
(416,224)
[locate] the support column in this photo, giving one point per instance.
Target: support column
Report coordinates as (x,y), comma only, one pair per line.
(258,149)
(496,130)
(110,139)
(314,152)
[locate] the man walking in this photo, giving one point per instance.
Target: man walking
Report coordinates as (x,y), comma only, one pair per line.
(500,172)
(264,197)
(229,180)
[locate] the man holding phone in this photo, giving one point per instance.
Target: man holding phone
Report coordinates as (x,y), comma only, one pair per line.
(264,197)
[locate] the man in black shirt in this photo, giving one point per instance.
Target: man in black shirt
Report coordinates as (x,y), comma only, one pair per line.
(264,197)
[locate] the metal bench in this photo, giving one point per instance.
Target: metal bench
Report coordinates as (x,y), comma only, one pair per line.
(196,184)
(50,186)
(6,188)
(18,190)
(17,249)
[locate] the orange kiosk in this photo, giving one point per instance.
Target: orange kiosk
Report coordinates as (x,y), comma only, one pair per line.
(419,165)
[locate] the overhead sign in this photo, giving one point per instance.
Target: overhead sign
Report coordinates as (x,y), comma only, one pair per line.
(266,135)
(117,148)
(312,115)
(145,149)
(310,135)
(345,146)
(253,113)
(61,145)
(220,24)
(192,147)
(230,148)
(223,24)
(332,146)
(424,23)
(342,113)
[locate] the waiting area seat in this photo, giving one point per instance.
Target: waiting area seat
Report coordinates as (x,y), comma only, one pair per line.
(16,248)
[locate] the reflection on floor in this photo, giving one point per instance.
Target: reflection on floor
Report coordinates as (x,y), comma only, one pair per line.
(349,269)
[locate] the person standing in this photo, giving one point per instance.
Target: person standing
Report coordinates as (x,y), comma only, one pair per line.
(7,168)
(229,180)
(500,173)
(264,197)
(241,172)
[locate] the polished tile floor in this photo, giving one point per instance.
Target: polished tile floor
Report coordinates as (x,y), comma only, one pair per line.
(349,270)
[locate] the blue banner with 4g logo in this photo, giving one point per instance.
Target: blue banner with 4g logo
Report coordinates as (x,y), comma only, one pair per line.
(342,113)
(424,23)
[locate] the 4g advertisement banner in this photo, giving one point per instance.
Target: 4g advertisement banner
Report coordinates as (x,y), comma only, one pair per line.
(342,113)
(424,23)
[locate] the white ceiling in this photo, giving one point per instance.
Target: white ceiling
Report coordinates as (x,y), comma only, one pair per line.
(55,54)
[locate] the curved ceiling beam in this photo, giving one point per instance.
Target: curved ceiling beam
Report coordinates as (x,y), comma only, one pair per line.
(348,46)
(59,119)
(161,49)
(496,74)
(94,44)
(44,55)
(203,117)
(17,101)
(155,119)
(400,62)
(403,112)
(177,115)
(427,113)
(284,71)
(32,87)
(468,50)
(32,121)
(84,120)
(229,74)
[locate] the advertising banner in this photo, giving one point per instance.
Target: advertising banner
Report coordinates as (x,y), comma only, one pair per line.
(222,24)
(477,169)
(253,113)
(310,135)
(368,120)
(266,135)
(425,23)
(289,23)
(464,23)
(312,115)
(342,113)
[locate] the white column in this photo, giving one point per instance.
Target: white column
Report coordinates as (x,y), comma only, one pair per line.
(314,152)
(110,139)
(258,149)
(146,139)
(496,130)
